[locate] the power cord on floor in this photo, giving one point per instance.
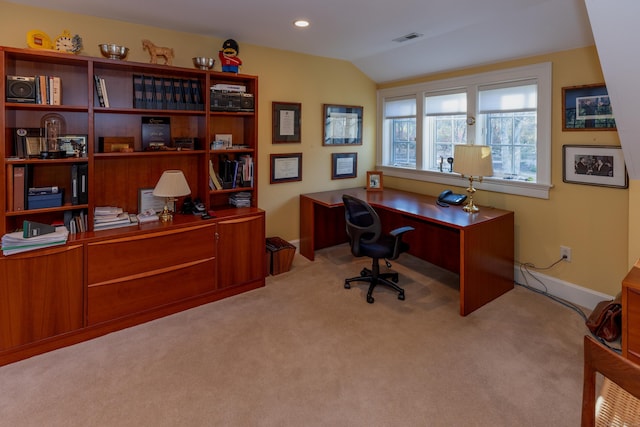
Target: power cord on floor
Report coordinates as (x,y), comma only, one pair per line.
(524,270)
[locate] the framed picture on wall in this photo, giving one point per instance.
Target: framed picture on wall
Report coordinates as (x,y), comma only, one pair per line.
(587,108)
(287,119)
(342,125)
(594,165)
(344,165)
(286,167)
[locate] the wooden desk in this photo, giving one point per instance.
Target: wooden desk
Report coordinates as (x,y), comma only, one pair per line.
(478,247)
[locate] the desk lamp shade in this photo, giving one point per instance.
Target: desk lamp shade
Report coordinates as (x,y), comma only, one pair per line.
(171,184)
(474,162)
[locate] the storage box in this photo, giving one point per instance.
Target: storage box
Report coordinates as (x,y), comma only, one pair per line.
(281,255)
(39,201)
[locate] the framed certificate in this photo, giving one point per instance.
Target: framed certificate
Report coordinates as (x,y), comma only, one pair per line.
(287,117)
(286,167)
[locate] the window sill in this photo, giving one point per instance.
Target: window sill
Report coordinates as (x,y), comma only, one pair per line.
(519,188)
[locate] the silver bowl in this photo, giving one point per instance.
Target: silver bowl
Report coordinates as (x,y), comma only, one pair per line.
(203,62)
(113,51)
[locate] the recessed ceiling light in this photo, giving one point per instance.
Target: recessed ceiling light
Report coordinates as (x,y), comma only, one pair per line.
(301,23)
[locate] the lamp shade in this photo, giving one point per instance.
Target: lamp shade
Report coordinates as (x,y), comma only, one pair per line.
(472,160)
(172,183)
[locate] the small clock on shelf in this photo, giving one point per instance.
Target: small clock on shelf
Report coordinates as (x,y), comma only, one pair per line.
(65,42)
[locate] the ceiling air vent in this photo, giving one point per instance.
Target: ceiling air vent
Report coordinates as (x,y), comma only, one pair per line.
(408,37)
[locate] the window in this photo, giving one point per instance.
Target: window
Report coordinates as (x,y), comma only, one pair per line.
(508,110)
(400,127)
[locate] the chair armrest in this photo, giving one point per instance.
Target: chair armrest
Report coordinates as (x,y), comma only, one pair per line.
(400,231)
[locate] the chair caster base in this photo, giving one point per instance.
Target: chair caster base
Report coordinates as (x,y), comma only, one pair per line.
(401,296)
(370,299)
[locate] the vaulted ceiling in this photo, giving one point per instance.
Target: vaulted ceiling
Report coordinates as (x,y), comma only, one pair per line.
(454,33)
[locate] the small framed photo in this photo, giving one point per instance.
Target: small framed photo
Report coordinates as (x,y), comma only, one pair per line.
(287,118)
(587,108)
(344,165)
(225,140)
(147,201)
(286,168)
(342,125)
(374,181)
(600,165)
(73,145)
(34,145)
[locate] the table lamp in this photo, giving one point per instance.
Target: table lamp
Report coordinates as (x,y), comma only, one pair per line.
(171,184)
(473,161)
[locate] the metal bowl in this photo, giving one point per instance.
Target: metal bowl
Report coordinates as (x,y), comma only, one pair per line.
(203,62)
(113,51)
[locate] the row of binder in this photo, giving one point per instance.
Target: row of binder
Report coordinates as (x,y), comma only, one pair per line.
(166,93)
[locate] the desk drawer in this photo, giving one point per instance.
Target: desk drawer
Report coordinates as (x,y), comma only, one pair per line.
(111,259)
(134,294)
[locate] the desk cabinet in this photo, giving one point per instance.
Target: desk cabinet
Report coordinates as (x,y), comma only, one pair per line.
(40,295)
(244,245)
(631,315)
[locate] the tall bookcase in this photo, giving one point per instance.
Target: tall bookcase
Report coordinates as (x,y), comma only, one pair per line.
(116,178)
(103,281)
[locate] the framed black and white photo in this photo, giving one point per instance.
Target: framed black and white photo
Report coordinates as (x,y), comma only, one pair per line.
(601,165)
(344,165)
(587,108)
(374,181)
(342,125)
(287,119)
(286,167)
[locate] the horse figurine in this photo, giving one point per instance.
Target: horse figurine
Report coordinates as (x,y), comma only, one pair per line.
(156,51)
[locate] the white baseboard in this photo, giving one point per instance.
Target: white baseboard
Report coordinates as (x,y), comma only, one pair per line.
(575,294)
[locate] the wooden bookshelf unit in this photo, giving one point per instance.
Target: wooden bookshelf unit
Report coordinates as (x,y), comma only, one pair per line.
(102,281)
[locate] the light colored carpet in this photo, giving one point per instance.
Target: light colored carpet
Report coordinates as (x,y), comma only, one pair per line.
(304,351)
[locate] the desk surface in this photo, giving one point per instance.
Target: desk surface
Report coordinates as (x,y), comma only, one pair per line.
(412,204)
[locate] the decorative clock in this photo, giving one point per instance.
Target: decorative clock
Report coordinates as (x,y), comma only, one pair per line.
(67,43)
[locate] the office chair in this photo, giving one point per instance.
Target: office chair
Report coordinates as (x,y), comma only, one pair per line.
(618,401)
(366,239)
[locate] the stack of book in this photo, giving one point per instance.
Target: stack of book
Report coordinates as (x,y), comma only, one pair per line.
(241,199)
(106,217)
(14,243)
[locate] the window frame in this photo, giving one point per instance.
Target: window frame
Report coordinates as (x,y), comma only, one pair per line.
(541,73)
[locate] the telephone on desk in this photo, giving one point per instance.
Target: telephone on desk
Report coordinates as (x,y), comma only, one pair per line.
(448,197)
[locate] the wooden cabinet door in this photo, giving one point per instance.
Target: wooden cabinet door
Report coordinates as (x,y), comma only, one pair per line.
(241,251)
(40,295)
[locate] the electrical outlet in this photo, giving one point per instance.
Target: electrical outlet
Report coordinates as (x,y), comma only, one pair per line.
(565,253)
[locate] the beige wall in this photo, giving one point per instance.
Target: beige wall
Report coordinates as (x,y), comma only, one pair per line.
(593,221)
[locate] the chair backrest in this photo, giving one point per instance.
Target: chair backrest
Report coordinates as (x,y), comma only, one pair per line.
(363,223)
(620,393)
